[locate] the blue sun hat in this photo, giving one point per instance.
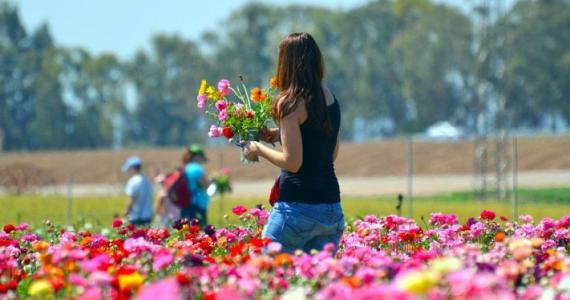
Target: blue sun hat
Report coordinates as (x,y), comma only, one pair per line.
(132,161)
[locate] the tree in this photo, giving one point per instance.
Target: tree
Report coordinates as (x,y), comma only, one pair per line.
(166,82)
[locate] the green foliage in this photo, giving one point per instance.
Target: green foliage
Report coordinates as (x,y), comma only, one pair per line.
(100,211)
(409,63)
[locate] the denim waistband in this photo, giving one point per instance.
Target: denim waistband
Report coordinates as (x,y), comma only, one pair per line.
(323,212)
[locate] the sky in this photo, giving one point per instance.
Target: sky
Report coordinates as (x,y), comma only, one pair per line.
(123,26)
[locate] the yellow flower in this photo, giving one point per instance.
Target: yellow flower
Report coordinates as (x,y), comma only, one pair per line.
(40,287)
(214,94)
(203,86)
(446,265)
(418,282)
(130,281)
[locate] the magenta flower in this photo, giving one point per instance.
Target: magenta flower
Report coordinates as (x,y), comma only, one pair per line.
(224,87)
(223,115)
(221,105)
(215,131)
(161,260)
(239,210)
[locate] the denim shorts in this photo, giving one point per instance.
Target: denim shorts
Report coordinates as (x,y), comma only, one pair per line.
(304,226)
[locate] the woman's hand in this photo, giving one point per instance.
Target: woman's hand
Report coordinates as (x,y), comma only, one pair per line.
(250,150)
(269,135)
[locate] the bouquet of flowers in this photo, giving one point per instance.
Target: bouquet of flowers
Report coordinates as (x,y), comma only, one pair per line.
(238,114)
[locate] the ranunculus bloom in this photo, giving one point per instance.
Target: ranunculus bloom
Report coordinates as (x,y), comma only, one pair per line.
(9,228)
(239,210)
(167,289)
(256,94)
(117,223)
(221,105)
(202,98)
(23,226)
(224,87)
(487,215)
(215,131)
(130,281)
(223,115)
(227,132)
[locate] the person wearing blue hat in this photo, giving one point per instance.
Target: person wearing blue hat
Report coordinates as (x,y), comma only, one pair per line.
(194,157)
(139,190)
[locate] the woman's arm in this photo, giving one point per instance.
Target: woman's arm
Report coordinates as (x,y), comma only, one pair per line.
(335,152)
(291,156)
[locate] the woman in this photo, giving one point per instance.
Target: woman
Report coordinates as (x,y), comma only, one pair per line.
(193,158)
(167,211)
(308,214)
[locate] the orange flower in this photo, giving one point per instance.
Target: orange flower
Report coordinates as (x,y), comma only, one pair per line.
(352,281)
(273,83)
(256,94)
(499,236)
(283,259)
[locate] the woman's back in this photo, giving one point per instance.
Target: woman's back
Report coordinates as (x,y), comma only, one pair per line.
(315,181)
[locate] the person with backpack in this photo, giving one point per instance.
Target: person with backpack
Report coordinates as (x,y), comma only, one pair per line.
(139,210)
(194,158)
(167,209)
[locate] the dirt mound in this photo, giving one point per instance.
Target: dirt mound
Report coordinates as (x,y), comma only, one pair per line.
(386,158)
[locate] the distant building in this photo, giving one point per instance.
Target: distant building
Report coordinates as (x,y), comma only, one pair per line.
(444,131)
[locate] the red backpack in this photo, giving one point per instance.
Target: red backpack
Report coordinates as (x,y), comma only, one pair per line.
(177,189)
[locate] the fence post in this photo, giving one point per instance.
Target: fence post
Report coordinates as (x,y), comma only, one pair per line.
(410,164)
(514,166)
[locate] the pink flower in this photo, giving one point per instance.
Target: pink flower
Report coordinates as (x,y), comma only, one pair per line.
(161,260)
(274,247)
(221,105)
(239,210)
(224,87)
(223,115)
(168,289)
(201,101)
(215,131)
(23,226)
(77,280)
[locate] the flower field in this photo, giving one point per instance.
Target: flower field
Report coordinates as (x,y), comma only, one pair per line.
(391,257)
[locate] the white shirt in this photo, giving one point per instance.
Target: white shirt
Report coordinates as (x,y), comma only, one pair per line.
(139,188)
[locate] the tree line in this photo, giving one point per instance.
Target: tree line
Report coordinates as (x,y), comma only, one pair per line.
(397,66)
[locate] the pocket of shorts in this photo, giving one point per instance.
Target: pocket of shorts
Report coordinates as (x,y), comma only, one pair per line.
(299,225)
(275,225)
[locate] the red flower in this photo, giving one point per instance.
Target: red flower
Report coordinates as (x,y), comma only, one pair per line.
(182,279)
(239,210)
(504,219)
(487,215)
(227,132)
(117,223)
(12,284)
(9,228)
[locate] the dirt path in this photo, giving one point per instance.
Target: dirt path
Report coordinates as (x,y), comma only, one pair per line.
(362,186)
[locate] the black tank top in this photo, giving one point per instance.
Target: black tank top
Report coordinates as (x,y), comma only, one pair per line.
(315,182)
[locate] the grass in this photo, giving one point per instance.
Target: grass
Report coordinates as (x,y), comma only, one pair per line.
(99,211)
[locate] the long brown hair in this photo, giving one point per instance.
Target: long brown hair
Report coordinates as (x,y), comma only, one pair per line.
(300,71)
